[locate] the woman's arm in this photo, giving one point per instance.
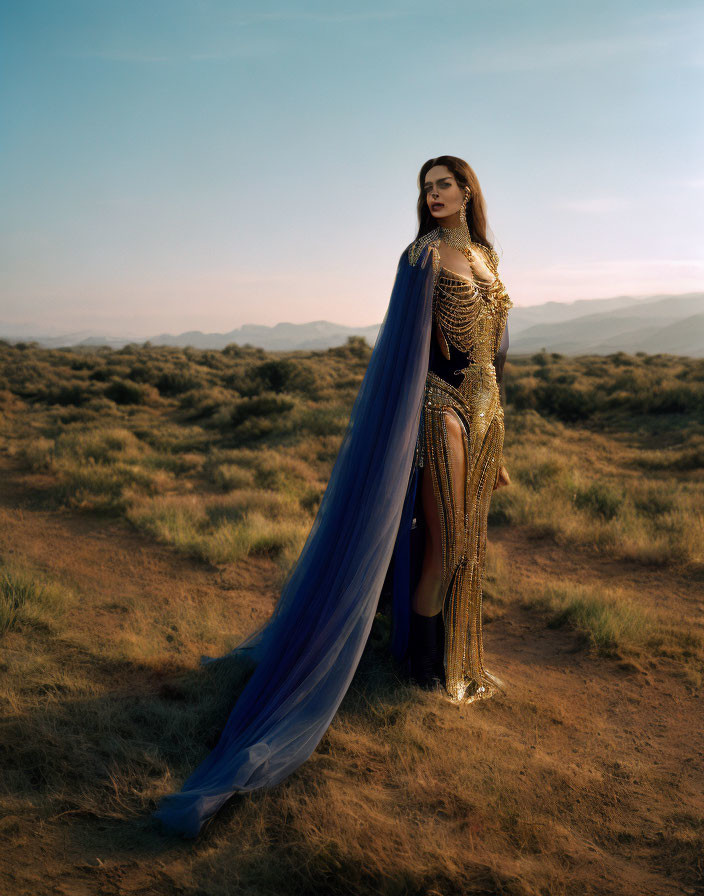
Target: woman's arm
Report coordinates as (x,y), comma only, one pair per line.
(502,477)
(499,362)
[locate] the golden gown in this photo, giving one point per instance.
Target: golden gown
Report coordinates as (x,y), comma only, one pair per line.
(469,319)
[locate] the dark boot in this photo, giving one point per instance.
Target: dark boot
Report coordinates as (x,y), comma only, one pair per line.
(423,648)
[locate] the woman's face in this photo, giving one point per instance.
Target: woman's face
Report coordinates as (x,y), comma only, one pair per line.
(442,192)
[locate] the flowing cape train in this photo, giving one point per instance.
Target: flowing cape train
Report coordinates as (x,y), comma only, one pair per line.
(307,652)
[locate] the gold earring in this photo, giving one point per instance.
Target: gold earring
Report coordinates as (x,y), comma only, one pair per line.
(463,216)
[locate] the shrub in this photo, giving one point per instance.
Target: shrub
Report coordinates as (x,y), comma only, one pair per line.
(599,499)
(125,392)
(564,402)
(176,382)
(536,477)
(69,394)
(283,375)
(261,406)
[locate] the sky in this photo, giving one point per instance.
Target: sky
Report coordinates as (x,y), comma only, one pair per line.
(169,166)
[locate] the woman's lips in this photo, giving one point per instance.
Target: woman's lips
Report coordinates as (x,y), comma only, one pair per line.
(436,205)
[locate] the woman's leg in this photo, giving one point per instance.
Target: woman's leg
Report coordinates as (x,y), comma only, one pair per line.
(428,596)
(443,497)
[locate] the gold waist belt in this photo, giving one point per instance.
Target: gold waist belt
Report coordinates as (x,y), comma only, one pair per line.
(479,379)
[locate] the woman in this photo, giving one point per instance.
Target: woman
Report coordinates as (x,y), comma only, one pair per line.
(306,654)
(463,431)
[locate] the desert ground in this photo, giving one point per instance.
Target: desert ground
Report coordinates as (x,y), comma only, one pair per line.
(151,502)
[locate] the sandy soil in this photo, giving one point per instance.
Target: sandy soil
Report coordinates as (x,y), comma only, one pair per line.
(632,727)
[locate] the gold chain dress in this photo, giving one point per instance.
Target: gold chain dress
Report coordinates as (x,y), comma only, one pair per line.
(469,319)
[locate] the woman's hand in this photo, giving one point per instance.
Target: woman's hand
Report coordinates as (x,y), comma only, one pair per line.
(502,478)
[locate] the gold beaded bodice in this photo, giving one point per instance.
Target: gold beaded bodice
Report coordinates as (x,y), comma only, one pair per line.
(469,317)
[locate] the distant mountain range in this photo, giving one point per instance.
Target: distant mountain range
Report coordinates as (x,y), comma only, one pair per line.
(319,334)
(672,324)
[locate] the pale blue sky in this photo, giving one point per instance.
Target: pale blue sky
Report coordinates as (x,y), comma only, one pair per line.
(175,165)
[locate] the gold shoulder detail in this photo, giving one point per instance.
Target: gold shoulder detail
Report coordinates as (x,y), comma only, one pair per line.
(416,249)
(492,258)
(503,298)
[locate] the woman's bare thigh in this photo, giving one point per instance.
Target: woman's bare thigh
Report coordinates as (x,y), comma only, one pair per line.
(456,437)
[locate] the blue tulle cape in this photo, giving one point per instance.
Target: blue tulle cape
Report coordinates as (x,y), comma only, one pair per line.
(307,652)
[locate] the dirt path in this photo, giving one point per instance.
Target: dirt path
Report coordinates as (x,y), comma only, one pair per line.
(623,729)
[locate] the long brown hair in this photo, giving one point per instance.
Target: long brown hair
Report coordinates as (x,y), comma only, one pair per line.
(476,207)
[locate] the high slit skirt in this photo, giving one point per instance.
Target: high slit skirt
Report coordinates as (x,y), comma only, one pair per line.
(463,523)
